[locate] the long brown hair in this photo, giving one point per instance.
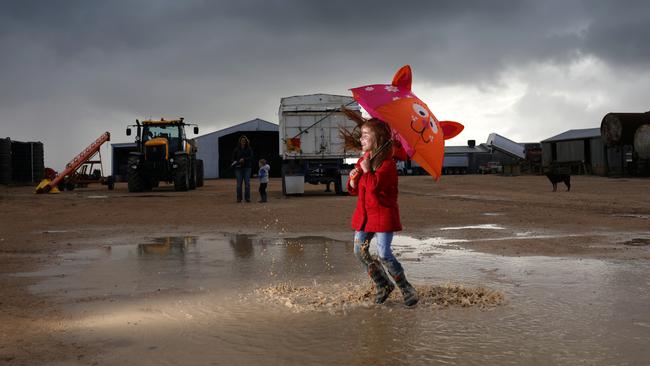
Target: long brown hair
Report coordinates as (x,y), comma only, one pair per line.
(246,140)
(352,139)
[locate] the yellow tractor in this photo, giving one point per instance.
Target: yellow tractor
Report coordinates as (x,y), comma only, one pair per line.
(164,154)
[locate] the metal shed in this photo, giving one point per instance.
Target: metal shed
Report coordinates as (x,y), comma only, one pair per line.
(216,148)
(582,151)
(506,146)
(465,159)
(120,158)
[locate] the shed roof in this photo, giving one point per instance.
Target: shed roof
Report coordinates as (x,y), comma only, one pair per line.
(506,145)
(481,148)
(256,124)
(580,134)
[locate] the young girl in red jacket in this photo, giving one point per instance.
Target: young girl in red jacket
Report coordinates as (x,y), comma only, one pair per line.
(374,181)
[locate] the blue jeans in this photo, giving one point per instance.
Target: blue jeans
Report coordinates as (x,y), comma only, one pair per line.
(384,251)
(243,175)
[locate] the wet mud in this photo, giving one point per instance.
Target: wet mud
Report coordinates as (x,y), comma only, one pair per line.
(343,297)
(240,299)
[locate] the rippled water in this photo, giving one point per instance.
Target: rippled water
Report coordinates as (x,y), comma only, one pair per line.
(205,300)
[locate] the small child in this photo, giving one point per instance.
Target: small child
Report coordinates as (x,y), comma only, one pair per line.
(374,181)
(264,179)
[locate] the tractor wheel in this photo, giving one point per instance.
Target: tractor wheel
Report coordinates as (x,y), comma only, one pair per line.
(182,174)
(192,173)
(199,173)
(136,177)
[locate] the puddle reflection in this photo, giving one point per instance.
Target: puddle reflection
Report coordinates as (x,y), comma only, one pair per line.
(167,246)
(242,245)
(205,307)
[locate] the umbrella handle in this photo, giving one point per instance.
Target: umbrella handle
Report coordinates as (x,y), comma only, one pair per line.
(381,148)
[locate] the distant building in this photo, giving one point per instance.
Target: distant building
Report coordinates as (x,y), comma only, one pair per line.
(216,148)
(465,159)
(497,155)
(580,151)
(120,158)
(533,163)
(508,147)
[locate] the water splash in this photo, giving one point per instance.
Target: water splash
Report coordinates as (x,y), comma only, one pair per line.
(340,297)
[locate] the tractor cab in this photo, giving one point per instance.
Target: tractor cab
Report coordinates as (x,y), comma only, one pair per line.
(161,140)
(167,133)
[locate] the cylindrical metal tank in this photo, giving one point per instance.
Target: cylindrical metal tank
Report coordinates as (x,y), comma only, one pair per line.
(642,141)
(27,162)
(619,128)
(20,168)
(38,161)
(5,161)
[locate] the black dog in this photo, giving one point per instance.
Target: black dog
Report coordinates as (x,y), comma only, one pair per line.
(557,178)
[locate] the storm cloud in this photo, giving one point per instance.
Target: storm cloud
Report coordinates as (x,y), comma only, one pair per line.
(526,69)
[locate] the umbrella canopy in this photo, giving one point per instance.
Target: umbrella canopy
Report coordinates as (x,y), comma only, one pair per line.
(413,124)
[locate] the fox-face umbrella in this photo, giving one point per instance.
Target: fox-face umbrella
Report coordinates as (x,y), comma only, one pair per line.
(413,124)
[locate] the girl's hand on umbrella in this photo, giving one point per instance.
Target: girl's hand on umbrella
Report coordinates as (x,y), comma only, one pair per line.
(353,177)
(365,164)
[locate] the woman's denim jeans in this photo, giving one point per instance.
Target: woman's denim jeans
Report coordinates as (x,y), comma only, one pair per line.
(243,174)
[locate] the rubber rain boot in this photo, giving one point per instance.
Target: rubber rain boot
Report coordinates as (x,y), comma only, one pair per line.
(408,291)
(382,282)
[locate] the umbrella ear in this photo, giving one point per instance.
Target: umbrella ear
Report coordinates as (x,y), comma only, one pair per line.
(450,129)
(403,77)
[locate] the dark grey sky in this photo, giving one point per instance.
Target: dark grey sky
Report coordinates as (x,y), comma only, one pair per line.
(528,70)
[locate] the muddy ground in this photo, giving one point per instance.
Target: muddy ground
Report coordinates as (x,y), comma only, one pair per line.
(601,218)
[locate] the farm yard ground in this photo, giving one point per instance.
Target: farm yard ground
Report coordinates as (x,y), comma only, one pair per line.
(107,277)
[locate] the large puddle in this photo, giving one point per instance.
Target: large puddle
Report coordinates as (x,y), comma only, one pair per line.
(236,299)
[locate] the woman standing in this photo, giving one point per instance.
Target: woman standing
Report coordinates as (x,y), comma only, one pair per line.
(242,161)
(374,181)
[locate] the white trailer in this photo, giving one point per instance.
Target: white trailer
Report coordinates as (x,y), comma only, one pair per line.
(311,148)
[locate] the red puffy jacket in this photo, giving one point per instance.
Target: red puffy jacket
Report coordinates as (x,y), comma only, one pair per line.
(377,210)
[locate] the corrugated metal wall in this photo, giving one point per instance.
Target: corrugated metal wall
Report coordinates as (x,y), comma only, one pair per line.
(547,154)
(570,151)
(615,156)
(598,156)
(209,153)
